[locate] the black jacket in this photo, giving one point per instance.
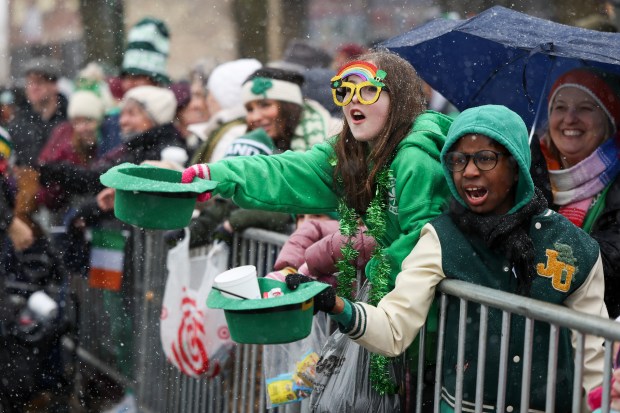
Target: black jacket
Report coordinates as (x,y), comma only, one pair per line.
(606,229)
(30,132)
(146,146)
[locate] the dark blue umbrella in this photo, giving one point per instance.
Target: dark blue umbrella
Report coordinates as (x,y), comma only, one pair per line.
(503,57)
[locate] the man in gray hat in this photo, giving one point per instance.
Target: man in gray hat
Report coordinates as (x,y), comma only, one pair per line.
(45,108)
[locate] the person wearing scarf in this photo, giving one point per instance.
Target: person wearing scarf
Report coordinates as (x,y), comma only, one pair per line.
(499,234)
(577,161)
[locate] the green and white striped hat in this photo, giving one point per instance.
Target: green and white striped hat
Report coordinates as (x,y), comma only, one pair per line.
(148,46)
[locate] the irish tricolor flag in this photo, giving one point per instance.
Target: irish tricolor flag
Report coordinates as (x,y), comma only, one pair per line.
(106,259)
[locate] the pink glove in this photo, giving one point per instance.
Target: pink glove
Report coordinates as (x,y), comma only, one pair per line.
(200,170)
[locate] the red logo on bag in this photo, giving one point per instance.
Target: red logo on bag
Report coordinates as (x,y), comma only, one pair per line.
(188,349)
(223,333)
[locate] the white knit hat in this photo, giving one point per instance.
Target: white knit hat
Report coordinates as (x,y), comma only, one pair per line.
(226,79)
(86,104)
(158,102)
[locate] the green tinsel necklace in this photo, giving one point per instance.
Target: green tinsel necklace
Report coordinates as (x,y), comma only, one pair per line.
(349,227)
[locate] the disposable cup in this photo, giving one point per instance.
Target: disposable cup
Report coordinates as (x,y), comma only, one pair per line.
(240,282)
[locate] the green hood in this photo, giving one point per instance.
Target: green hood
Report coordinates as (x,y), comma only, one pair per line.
(503,126)
(437,125)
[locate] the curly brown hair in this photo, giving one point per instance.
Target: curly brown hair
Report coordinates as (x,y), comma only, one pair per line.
(357,162)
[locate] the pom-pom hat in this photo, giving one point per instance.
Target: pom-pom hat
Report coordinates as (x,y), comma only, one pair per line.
(603,87)
(86,104)
(148,46)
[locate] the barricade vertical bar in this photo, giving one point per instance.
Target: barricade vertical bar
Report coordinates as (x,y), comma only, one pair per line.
(184,386)
(460,358)
(234,398)
(527,365)
(262,394)
(482,351)
(244,378)
(420,375)
(503,362)
(609,345)
(552,368)
(440,338)
(237,242)
(252,381)
(142,240)
(252,252)
(578,371)
(260,259)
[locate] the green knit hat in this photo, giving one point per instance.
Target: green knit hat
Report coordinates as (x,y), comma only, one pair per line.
(506,128)
(148,46)
(256,142)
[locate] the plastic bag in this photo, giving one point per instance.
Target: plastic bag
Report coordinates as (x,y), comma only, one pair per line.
(289,369)
(343,380)
(195,338)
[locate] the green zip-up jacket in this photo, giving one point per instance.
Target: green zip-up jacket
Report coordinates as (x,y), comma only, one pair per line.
(303,183)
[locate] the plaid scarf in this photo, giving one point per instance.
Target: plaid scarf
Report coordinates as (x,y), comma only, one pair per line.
(313,127)
(575,189)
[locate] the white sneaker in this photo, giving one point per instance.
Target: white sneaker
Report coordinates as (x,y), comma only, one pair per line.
(126,405)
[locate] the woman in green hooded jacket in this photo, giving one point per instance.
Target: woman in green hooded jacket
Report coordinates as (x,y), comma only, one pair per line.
(383,167)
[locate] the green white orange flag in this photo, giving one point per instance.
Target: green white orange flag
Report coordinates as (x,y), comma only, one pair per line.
(106,259)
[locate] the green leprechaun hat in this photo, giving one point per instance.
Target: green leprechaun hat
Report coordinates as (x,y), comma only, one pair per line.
(151,197)
(282,319)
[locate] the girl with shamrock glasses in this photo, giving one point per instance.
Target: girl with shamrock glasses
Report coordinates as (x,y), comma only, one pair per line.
(383,167)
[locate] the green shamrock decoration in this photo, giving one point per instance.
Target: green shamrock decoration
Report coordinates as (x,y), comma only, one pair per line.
(260,86)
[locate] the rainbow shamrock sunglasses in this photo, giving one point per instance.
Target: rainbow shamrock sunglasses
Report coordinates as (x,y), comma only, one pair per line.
(367,92)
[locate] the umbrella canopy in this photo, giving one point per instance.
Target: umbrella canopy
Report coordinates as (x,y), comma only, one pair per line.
(502,57)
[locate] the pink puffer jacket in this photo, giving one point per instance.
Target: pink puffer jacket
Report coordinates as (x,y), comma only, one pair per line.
(314,249)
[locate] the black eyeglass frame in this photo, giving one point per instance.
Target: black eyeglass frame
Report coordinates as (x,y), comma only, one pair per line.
(476,156)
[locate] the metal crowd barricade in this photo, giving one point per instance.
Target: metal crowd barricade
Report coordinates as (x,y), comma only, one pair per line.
(533,310)
(160,387)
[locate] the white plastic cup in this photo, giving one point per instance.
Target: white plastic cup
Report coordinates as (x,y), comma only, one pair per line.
(42,305)
(241,281)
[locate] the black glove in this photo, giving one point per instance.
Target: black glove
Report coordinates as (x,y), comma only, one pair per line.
(172,237)
(220,233)
(323,301)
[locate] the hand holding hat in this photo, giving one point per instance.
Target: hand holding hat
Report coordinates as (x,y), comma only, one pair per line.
(323,301)
(200,170)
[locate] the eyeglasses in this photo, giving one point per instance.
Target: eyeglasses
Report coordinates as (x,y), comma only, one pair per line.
(366,92)
(484,160)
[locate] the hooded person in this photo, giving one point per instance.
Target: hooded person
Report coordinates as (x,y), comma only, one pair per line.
(227,113)
(499,234)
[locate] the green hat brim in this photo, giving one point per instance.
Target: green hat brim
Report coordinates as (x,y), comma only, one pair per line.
(302,294)
(153,198)
(283,319)
(148,178)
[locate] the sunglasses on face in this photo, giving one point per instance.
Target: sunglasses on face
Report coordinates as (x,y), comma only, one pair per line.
(484,160)
(366,93)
